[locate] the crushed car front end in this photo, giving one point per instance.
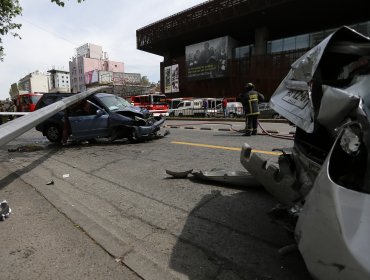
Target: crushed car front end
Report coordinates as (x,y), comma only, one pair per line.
(326,174)
(127,121)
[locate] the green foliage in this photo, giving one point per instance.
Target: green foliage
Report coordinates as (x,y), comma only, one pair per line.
(61,3)
(145,81)
(9,9)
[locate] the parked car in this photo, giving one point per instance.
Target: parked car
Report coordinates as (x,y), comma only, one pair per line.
(189,108)
(173,103)
(266,112)
(110,117)
(233,109)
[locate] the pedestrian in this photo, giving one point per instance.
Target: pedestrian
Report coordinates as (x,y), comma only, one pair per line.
(224,106)
(3,118)
(66,127)
(12,108)
(250,99)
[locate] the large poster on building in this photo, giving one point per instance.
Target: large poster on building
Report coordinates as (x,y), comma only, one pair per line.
(171,78)
(132,78)
(208,59)
(105,77)
(167,79)
(91,77)
(175,78)
(118,78)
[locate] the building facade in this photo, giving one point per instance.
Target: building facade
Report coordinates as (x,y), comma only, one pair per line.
(34,82)
(59,81)
(90,58)
(213,49)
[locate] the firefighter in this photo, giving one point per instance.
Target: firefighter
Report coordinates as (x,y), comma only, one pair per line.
(250,99)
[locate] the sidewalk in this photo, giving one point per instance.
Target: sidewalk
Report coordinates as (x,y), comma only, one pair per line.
(38,242)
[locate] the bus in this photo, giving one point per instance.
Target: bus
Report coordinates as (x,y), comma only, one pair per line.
(26,102)
(154,102)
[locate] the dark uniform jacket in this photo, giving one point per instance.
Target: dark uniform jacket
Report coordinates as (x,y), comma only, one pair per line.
(250,100)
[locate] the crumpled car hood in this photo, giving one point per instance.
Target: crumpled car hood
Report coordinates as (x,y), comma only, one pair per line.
(305,99)
(136,111)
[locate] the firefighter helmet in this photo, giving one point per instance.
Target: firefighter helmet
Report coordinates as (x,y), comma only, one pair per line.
(249,86)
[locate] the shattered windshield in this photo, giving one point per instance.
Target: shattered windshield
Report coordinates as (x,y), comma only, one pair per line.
(114,103)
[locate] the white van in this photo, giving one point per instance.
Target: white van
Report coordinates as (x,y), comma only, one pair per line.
(233,109)
(189,108)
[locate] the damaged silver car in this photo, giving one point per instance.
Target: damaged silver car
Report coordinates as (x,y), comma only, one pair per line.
(325,176)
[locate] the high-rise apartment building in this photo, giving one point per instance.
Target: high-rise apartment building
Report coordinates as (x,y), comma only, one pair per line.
(59,81)
(90,57)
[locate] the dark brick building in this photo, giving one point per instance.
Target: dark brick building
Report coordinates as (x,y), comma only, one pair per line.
(247,40)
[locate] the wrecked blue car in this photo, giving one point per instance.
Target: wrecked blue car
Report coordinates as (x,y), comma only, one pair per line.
(101,115)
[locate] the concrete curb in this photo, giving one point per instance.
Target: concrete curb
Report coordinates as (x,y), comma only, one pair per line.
(224,119)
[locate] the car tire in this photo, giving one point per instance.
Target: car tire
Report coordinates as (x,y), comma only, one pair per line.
(53,133)
(231,115)
(180,115)
(133,138)
(275,116)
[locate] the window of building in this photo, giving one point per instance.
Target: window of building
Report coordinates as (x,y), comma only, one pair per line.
(289,43)
(276,46)
(302,41)
(244,51)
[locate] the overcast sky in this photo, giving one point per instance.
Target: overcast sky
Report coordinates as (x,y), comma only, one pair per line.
(50,35)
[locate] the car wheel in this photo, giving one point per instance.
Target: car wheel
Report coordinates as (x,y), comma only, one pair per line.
(53,133)
(133,138)
(232,115)
(180,115)
(275,116)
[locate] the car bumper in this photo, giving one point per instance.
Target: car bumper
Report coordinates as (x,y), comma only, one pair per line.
(148,130)
(157,113)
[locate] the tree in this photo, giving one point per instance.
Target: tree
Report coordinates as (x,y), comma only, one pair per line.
(145,81)
(9,9)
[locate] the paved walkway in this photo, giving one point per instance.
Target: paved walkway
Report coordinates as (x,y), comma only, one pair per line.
(38,242)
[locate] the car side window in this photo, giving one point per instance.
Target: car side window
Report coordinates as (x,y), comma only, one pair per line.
(83,108)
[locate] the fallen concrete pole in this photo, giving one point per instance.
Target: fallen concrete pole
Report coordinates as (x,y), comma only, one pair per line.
(17,127)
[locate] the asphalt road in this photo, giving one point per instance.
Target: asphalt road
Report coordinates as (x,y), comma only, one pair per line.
(159,227)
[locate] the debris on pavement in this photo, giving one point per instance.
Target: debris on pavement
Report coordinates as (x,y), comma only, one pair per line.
(26,148)
(51,182)
(4,210)
(236,178)
(159,136)
(181,174)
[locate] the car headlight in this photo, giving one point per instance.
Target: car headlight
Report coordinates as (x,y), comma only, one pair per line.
(351,140)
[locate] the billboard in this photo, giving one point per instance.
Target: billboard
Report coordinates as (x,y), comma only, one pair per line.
(91,77)
(171,78)
(105,77)
(118,78)
(208,59)
(132,78)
